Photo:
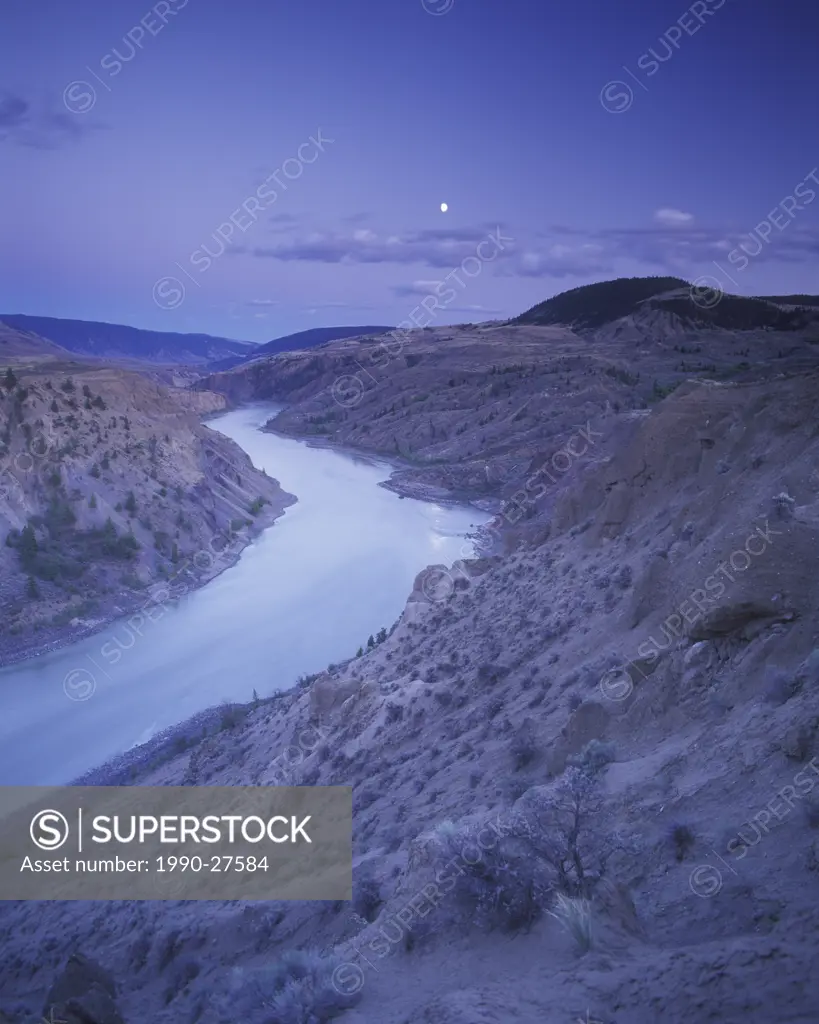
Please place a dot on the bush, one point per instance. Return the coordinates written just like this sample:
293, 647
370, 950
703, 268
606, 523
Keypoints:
232, 715
298, 988
367, 897
523, 747
682, 837
593, 757
505, 887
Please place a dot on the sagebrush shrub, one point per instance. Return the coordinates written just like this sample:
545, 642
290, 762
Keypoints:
593, 757
298, 988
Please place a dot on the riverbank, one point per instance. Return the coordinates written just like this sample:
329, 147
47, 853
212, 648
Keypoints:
15, 650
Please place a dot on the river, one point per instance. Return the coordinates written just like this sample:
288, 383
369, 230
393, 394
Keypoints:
335, 568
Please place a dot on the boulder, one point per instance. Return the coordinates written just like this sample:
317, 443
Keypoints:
734, 617
84, 993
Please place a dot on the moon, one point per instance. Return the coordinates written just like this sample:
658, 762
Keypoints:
444, 207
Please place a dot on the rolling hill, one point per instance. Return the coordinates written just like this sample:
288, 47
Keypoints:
91, 338
595, 306
296, 342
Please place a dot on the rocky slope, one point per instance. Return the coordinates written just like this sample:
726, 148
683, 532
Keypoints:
110, 483
628, 701
472, 412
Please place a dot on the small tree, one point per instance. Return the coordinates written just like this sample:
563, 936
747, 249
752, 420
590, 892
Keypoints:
130, 504
10, 381
28, 544
370, 641
32, 590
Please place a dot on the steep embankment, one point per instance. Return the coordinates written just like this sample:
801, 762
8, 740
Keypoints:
652, 664
110, 483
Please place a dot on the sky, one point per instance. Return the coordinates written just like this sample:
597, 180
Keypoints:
257, 168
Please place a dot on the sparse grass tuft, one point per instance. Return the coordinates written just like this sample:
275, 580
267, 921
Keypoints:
575, 915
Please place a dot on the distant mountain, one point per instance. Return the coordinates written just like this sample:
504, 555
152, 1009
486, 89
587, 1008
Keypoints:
301, 340
595, 306
117, 341
17, 345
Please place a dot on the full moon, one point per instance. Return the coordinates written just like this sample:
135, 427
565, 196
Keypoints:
444, 207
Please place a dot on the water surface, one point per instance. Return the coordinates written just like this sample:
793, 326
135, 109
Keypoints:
335, 568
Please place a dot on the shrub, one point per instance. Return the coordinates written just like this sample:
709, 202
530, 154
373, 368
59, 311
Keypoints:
499, 885
543, 846
682, 837
523, 747
299, 988
624, 577
593, 757
575, 915
232, 715
784, 506
367, 897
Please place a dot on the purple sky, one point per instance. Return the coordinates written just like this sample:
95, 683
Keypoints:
121, 162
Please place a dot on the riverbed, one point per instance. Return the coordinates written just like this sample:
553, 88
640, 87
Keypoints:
309, 591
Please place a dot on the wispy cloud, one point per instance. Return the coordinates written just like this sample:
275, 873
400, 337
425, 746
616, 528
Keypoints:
41, 127
442, 248
671, 217
671, 241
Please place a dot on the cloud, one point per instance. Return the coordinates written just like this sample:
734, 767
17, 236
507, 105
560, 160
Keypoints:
667, 244
46, 127
671, 217
263, 302
13, 110
343, 305
284, 219
422, 288
441, 248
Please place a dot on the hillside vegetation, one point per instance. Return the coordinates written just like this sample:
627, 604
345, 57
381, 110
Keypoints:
109, 483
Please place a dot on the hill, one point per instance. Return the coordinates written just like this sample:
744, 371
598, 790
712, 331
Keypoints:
116, 341
792, 300
18, 346
595, 306
300, 340
109, 483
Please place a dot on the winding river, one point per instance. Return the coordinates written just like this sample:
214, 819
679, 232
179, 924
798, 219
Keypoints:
332, 570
